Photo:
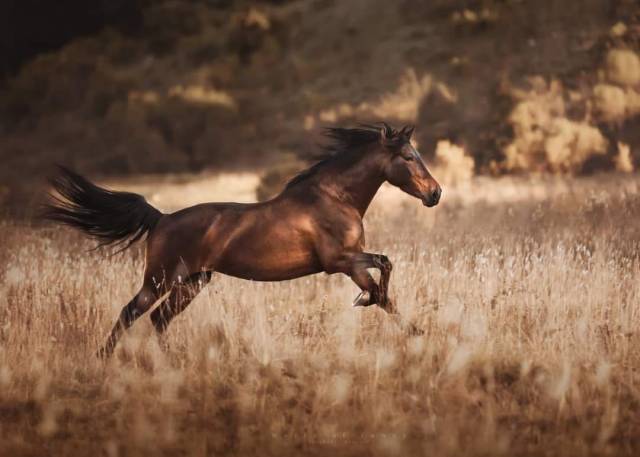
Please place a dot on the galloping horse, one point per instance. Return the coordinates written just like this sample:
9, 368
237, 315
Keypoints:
313, 225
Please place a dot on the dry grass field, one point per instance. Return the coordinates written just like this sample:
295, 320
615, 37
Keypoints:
528, 292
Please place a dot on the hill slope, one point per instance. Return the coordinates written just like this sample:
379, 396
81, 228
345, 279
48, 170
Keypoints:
219, 85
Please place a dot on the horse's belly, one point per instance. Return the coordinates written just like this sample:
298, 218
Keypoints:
268, 258
265, 246
274, 267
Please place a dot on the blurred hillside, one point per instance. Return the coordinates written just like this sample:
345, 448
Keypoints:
183, 86
30, 27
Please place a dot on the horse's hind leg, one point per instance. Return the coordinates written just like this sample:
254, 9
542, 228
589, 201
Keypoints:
181, 295
133, 310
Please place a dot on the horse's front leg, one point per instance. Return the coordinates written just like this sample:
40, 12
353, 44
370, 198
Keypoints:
382, 263
374, 293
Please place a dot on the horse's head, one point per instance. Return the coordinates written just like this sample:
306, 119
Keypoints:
404, 167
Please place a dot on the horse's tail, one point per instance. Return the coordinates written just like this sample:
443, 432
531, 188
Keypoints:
110, 217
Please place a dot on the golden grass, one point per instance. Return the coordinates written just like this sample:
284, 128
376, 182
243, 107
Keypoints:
531, 347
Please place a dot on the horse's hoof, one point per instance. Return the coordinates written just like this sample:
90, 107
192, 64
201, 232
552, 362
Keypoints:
363, 299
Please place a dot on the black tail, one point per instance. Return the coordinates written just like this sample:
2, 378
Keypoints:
111, 217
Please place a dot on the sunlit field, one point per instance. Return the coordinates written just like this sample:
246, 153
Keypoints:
528, 292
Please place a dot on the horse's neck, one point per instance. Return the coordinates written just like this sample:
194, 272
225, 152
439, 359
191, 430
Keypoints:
357, 183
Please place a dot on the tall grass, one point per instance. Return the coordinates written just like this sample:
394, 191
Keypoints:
531, 347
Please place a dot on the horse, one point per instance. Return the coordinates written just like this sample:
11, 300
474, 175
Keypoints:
314, 225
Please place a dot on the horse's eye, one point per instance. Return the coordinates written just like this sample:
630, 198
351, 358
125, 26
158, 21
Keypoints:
409, 158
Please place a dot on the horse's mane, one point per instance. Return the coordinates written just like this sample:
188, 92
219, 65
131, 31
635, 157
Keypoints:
343, 140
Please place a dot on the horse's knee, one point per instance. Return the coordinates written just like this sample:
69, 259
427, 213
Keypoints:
139, 305
385, 263
145, 299
129, 314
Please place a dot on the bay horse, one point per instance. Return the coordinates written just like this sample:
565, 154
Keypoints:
314, 225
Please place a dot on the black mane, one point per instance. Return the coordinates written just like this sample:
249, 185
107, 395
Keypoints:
342, 140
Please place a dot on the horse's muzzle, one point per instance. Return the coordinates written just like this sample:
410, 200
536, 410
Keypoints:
432, 198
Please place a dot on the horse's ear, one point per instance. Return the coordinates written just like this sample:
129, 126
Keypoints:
384, 134
407, 131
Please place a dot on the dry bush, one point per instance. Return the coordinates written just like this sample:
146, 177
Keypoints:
610, 102
624, 159
544, 137
401, 104
452, 164
619, 29
622, 67
204, 95
530, 348
548, 138
621, 102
